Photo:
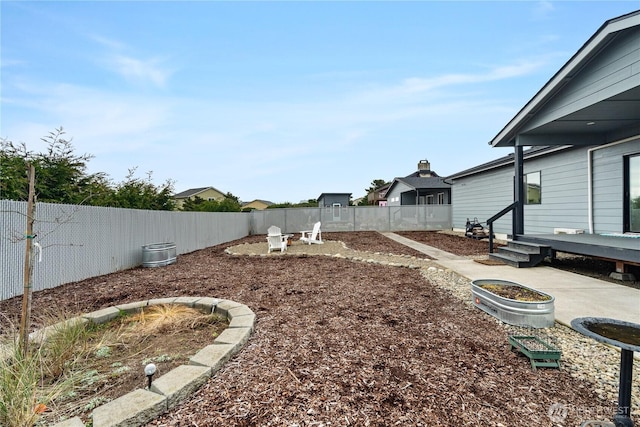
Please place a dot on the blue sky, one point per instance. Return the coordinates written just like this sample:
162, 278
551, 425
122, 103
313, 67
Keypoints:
281, 101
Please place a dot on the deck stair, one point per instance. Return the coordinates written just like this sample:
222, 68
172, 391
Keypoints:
521, 254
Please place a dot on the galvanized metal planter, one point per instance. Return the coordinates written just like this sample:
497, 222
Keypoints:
532, 314
158, 254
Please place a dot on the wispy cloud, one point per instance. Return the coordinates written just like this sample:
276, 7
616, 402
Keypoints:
250, 142
138, 70
8, 62
107, 42
419, 86
542, 10
105, 121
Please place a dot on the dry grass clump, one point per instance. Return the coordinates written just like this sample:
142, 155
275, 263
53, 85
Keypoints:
31, 380
169, 318
65, 360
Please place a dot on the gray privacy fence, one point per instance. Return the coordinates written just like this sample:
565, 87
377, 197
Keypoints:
355, 218
79, 242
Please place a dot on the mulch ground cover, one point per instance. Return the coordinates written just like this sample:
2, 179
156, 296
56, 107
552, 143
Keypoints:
344, 343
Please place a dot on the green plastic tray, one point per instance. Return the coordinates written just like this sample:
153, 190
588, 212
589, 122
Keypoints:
539, 352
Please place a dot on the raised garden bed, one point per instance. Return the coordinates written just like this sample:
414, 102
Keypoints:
514, 303
539, 352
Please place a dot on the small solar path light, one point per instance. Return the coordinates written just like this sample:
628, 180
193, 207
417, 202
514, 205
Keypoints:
149, 370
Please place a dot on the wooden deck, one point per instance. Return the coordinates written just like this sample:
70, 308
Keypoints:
614, 248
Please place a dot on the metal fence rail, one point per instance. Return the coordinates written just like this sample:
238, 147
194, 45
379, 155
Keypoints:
355, 218
79, 242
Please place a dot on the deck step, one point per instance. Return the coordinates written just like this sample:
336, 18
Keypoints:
529, 247
513, 262
515, 253
521, 254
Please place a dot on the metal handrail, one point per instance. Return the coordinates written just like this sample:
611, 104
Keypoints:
494, 218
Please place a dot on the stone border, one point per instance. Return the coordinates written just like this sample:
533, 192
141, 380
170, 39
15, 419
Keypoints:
333, 249
142, 405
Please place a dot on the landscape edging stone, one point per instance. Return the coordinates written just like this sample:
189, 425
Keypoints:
173, 386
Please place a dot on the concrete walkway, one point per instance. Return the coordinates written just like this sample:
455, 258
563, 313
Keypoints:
576, 295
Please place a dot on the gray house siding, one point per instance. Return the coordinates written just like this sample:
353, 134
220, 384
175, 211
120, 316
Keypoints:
482, 196
394, 196
608, 167
564, 191
614, 71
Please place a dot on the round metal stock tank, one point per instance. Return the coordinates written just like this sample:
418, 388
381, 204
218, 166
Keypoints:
532, 314
158, 254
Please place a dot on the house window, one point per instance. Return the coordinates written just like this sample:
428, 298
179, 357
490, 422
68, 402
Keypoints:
430, 199
533, 188
441, 198
632, 193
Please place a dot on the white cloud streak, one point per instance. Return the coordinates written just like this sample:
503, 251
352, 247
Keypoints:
139, 71
420, 85
205, 142
543, 9
135, 70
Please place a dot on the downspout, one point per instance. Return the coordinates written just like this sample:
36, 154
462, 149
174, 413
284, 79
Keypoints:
590, 181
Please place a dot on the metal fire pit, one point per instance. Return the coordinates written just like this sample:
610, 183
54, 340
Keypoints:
626, 336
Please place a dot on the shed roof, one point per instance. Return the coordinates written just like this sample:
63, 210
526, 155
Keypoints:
333, 194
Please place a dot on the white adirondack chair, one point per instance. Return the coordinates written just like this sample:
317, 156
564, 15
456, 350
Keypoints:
276, 239
312, 236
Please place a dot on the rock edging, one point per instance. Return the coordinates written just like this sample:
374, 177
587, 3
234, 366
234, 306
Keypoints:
142, 406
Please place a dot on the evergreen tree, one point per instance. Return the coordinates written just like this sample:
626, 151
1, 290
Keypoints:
61, 177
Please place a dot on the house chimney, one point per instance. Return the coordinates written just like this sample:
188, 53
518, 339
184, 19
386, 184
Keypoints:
424, 168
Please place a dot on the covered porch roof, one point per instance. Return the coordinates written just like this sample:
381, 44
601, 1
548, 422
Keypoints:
593, 99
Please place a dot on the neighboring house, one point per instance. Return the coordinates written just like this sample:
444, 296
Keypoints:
379, 196
334, 200
582, 172
423, 187
356, 202
257, 205
205, 193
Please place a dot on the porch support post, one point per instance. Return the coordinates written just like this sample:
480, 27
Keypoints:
519, 195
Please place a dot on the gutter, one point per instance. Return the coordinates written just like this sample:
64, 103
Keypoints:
590, 172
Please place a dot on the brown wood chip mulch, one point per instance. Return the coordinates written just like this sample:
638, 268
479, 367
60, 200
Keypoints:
343, 343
